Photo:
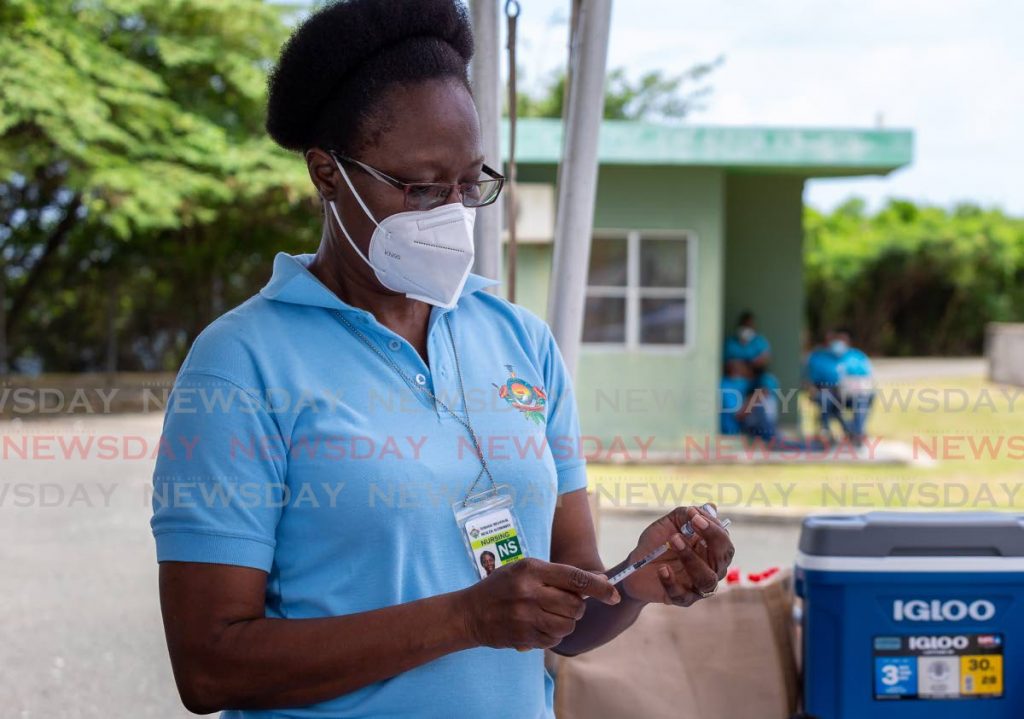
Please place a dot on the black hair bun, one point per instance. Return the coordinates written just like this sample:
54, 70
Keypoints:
356, 48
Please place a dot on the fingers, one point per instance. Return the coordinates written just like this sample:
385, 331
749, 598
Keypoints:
676, 587
561, 603
720, 549
702, 577
711, 510
679, 517
537, 640
552, 625
579, 581
546, 641
532, 603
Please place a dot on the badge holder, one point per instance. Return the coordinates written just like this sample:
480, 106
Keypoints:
490, 530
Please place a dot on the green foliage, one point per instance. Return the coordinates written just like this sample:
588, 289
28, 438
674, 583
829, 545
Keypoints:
912, 279
654, 96
134, 166
140, 197
144, 107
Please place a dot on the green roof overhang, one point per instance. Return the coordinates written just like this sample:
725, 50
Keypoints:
813, 152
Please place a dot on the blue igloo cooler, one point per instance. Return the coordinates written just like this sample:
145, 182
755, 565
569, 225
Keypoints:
909, 615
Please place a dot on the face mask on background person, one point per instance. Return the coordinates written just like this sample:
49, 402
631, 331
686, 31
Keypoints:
746, 334
839, 347
424, 254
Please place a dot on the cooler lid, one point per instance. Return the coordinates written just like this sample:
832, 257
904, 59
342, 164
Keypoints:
914, 534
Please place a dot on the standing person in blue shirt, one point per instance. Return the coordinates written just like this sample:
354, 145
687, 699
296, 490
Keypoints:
841, 379
362, 433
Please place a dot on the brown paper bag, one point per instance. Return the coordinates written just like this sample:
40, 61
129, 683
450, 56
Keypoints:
727, 657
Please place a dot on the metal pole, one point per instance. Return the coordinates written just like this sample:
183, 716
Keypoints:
3, 322
485, 73
577, 187
512, 10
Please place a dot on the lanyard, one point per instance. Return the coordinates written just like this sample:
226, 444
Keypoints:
462, 389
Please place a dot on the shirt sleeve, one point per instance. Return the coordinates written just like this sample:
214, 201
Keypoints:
220, 475
731, 350
863, 364
563, 422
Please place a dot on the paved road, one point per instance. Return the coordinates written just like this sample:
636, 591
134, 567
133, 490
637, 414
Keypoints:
79, 618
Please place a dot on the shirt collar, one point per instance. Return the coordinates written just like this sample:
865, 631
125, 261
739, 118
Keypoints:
292, 282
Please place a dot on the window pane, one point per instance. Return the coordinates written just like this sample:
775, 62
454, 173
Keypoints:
604, 319
662, 263
607, 263
663, 321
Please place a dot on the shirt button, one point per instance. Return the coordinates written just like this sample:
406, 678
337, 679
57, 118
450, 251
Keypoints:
420, 379
395, 345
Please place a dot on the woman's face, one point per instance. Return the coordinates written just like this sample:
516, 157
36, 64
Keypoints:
426, 132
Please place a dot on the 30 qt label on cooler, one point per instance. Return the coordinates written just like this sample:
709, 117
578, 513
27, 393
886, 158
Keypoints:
938, 666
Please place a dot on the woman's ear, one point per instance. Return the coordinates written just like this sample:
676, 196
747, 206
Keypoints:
323, 171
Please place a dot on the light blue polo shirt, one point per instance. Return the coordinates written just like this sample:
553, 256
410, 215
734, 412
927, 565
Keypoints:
826, 369
733, 393
289, 446
748, 352
854, 363
823, 367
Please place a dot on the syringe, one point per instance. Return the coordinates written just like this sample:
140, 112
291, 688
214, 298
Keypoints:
641, 563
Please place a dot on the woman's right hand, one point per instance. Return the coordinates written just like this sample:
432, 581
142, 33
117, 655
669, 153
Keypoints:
531, 604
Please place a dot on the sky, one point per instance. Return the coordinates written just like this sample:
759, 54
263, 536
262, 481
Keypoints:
950, 70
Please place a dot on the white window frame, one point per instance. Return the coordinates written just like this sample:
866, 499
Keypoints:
633, 293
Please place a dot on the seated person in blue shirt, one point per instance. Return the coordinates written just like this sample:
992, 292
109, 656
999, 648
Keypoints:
747, 344
841, 380
753, 411
305, 574
734, 390
760, 417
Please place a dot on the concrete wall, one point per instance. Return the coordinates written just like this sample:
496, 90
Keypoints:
1004, 350
659, 395
764, 264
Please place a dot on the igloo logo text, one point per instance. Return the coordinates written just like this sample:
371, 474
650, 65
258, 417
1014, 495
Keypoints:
937, 610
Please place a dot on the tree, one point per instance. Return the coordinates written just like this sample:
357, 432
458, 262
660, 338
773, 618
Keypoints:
130, 134
653, 96
913, 279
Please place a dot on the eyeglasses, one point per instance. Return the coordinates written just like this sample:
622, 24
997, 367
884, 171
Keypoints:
428, 195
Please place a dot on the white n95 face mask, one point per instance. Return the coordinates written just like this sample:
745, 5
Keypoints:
424, 254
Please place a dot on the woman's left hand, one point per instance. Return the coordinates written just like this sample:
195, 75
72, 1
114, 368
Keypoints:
691, 568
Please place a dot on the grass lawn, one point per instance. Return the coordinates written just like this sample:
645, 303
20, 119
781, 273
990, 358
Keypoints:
974, 430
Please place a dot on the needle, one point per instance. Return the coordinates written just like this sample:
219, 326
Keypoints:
640, 563
644, 562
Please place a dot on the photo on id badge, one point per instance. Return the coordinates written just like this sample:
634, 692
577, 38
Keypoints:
491, 531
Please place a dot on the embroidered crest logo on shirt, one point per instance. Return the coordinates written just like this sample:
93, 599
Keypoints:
523, 396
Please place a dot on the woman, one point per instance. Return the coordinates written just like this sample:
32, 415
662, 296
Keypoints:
361, 432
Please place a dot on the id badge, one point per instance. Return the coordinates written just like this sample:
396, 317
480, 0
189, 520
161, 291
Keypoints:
490, 530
